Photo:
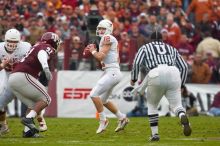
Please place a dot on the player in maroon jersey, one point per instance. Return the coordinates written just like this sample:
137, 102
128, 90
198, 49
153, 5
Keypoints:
24, 80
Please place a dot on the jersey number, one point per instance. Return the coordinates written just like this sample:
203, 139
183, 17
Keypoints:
161, 49
106, 39
49, 51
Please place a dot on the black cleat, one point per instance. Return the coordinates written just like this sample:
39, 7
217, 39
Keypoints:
30, 134
186, 125
29, 122
154, 137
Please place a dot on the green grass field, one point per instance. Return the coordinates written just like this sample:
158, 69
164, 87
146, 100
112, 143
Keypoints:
78, 132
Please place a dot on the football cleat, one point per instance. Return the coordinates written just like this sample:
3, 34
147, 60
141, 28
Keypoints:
121, 124
4, 129
31, 134
154, 137
42, 124
102, 126
186, 125
29, 122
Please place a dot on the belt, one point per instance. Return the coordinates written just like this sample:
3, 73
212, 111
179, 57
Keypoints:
113, 65
161, 65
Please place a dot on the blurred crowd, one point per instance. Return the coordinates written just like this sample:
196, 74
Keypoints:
192, 26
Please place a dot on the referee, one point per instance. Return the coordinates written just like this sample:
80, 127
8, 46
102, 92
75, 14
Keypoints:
167, 72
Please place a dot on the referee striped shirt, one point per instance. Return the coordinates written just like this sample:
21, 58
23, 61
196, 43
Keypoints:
154, 53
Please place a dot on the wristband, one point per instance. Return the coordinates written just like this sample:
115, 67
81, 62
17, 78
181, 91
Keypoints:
93, 52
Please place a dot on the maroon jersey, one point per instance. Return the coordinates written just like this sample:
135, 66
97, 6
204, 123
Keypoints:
30, 63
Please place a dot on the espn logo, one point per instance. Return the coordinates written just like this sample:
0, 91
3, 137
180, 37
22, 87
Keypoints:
76, 93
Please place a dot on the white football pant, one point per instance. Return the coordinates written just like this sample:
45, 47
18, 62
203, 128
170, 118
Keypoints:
28, 89
6, 95
161, 81
105, 85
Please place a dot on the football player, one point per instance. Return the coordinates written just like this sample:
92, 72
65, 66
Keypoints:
11, 51
108, 55
24, 83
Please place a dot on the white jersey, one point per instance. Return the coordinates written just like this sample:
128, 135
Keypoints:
18, 54
112, 75
6, 94
112, 57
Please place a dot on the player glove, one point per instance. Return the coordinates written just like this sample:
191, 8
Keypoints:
48, 73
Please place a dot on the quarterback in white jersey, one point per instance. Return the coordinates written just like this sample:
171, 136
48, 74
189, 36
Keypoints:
108, 55
11, 51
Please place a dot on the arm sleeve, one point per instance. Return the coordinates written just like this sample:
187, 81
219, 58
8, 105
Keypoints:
183, 68
42, 57
136, 64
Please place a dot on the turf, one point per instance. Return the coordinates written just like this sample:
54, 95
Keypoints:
81, 132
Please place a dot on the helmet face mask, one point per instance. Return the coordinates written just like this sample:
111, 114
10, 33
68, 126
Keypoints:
101, 31
104, 27
12, 38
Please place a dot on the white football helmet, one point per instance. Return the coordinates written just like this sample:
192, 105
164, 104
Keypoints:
107, 24
12, 38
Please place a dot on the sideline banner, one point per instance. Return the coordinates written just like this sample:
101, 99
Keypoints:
73, 88
205, 94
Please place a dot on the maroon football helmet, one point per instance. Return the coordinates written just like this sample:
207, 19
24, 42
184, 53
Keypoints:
52, 39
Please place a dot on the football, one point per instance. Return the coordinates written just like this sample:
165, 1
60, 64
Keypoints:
9, 67
86, 53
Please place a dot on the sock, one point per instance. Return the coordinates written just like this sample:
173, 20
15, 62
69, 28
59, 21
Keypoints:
120, 115
180, 111
42, 112
181, 114
31, 114
154, 130
102, 116
153, 119
26, 128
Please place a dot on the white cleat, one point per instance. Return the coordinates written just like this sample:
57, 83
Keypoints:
121, 124
4, 129
102, 126
42, 124
42, 127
